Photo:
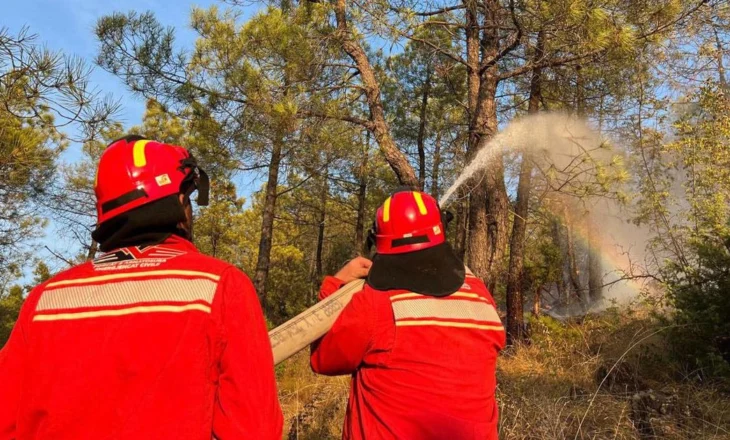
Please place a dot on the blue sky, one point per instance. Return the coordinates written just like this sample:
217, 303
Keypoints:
68, 25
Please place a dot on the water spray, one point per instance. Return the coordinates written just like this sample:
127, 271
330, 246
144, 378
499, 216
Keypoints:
553, 141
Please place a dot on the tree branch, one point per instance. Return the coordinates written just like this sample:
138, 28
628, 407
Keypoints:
60, 257
346, 118
428, 13
487, 63
548, 63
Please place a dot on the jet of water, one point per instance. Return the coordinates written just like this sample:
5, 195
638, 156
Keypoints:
484, 157
545, 134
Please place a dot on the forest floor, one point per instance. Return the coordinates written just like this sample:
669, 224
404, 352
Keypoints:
602, 377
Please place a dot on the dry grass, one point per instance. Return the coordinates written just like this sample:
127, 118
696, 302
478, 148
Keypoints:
314, 406
603, 378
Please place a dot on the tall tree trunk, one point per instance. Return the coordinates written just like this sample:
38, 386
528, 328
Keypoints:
536, 299
489, 204
573, 271
361, 198
93, 249
478, 250
379, 126
421, 141
515, 299
556, 230
580, 92
267, 223
595, 269
436, 166
498, 204
324, 194
515, 294
472, 61
595, 275
461, 225
720, 53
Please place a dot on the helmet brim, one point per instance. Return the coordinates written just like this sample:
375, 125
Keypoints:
435, 271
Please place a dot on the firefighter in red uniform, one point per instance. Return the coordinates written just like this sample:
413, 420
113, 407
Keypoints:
421, 339
152, 340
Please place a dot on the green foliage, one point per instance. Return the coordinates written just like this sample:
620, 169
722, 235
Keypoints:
42, 91
701, 154
686, 197
28, 153
11, 300
41, 273
547, 332
29, 140
701, 332
47, 88
10, 303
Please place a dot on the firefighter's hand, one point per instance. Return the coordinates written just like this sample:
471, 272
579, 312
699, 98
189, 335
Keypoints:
358, 267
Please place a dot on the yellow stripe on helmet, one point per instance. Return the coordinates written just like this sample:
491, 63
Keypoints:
386, 210
140, 159
419, 201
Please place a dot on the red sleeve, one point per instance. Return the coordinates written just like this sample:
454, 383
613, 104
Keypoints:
247, 405
329, 286
343, 348
12, 371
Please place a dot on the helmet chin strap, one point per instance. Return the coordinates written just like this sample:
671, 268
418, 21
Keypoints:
446, 217
203, 184
185, 228
371, 237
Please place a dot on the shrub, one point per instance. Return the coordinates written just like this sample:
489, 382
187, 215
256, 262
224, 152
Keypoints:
701, 300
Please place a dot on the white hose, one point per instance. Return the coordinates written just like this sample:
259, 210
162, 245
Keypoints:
297, 333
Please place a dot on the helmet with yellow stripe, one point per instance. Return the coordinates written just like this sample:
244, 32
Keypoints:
411, 251
134, 171
408, 221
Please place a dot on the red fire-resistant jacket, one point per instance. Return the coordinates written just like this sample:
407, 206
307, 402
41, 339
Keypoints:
157, 342
423, 367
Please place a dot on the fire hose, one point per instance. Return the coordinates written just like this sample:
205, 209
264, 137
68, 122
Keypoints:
297, 333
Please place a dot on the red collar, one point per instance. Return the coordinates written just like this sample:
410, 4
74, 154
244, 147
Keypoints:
178, 242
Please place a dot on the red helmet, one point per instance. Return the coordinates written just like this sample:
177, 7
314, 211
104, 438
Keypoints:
408, 221
134, 171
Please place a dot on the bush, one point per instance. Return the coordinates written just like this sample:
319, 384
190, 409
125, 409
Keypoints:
10, 303
701, 318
